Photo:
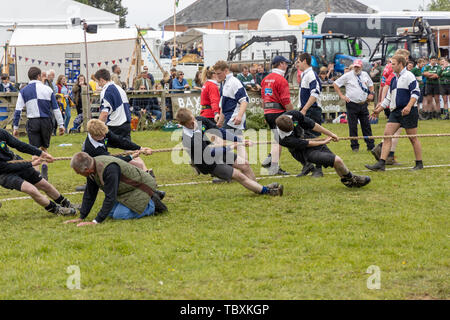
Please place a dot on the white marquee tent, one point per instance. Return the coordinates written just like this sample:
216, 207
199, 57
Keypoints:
63, 50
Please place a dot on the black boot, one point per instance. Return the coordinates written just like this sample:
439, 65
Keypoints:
317, 172
379, 166
307, 169
376, 152
419, 166
160, 207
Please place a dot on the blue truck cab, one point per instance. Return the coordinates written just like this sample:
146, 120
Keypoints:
330, 47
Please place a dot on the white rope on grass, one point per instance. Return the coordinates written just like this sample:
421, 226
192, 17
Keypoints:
258, 178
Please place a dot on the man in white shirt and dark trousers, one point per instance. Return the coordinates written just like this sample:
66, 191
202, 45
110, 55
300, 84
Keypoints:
310, 90
358, 91
402, 99
40, 102
115, 108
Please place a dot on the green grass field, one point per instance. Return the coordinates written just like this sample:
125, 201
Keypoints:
223, 242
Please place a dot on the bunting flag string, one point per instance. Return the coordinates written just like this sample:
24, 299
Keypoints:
52, 63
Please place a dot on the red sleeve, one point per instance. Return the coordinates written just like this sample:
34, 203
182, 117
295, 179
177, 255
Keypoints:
389, 79
285, 94
214, 96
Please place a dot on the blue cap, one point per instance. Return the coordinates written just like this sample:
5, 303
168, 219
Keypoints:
279, 59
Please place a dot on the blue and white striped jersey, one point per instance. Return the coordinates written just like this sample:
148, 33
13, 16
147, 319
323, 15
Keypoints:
114, 101
309, 86
403, 87
232, 95
40, 102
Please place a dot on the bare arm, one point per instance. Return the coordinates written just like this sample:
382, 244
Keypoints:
308, 104
319, 128
103, 117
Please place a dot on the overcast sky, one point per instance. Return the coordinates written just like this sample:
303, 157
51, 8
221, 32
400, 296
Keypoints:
149, 13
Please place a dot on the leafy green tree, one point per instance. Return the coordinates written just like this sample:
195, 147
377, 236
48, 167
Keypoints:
113, 6
439, 5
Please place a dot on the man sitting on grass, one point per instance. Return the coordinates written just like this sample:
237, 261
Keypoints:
23, 177
219, 162
293, 129
129, 191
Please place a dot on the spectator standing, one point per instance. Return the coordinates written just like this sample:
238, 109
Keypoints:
115, 77
197, 83
432, 88
376, 71
323, 77
359, 90
61, 84
166, 84
444, 80
417, 72
51, 75
332, 75
78, 100
260, 75
93, 83
246, 78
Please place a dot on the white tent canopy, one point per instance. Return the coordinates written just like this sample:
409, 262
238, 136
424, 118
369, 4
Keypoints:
48, 37
64, 51
49, 12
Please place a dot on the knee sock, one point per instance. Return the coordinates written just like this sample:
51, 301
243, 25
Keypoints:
63, 201
51, 207
265, 190
348, 176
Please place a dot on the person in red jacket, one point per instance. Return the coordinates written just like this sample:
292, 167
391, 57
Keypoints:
276, 99
210, 97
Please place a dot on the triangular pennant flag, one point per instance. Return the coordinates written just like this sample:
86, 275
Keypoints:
127, 58
106, 62
26, 59
33, 60
39, 61
92, 65
120, 60
99, 64
85, 65
114, 61
46, 63
59, 65
20, 58
53, 64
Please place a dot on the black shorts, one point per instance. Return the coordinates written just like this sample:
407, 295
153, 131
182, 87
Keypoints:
223, 171
408, 122
445, 89
123, 130
321, 156
224, 165
271, 118
14, 181
39, 132
432, 89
